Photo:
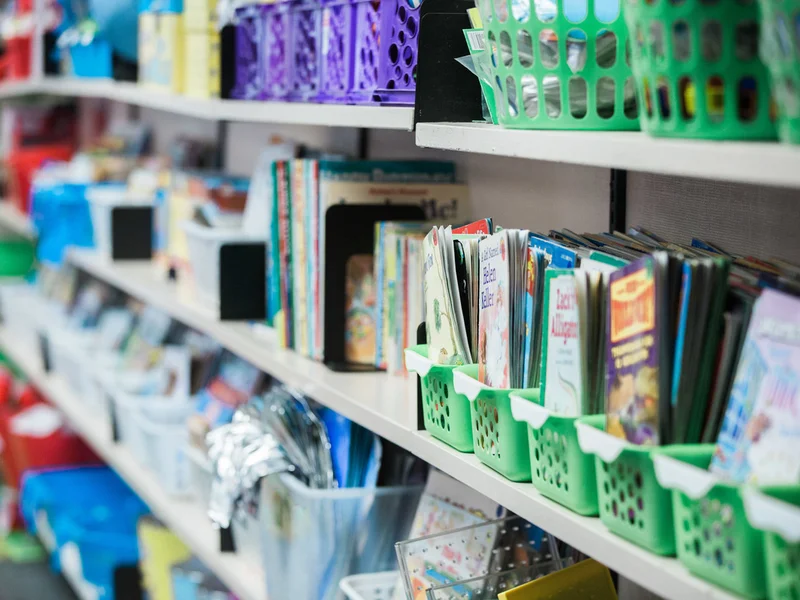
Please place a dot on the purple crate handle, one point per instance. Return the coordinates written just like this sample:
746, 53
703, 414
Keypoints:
338, 39
249, 70
398, 54
276, 50
306, 18
366, 51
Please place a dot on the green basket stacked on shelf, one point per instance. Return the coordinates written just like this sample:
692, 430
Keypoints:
776, 512
560, 470
780, 51
17, 256
499, 440
713, 536
631, 501
446, 414
698, 70
558, 65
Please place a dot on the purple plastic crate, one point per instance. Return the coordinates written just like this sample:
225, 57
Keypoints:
306, 17
277, 50
366, 51
338, 37
249, 68
397, 67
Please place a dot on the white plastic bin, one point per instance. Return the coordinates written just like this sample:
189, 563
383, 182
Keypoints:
201, 474
25, 313
246, 531
96, 379
102, 200
69, 351
204, 245
370, 586
167, 442
311, 539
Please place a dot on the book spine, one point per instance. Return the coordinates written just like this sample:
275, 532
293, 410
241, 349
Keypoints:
273, 249
285, 217
380, 269
299, 316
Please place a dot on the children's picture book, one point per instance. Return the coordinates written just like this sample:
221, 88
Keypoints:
359, 342
555, 254
760, 437
494, 322
562, 382
445, 345
633, 387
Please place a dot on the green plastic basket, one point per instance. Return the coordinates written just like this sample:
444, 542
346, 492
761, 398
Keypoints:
446, 414
693, 79
631, 502
560, 470
499, 441
571, 81
713, 537
779, 51
776, 511
17, 257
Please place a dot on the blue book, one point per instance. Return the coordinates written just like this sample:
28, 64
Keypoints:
555, 254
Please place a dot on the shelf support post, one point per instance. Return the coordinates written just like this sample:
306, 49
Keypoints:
618, 200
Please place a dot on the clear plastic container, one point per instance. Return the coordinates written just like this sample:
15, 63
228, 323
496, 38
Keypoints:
69, 350
24, 311
489, 548
204, 246
311, 539
246, 531
102, 200
202, 477
494, 584
166, 445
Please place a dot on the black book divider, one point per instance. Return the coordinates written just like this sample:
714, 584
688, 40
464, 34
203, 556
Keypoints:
350, 230
132, 233
227, 72
243, 282
421, 339
446, 90
128, 582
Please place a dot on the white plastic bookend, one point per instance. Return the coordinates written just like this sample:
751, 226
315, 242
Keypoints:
464, 384
416, 363
675, 474
598, 442
528, 411
770, 514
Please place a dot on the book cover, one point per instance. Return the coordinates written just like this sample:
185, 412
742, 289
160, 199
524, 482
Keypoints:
555, 254
299, 258
441, 328
760, 437
494, 352
633, 354
359, 336
284, 322
562, 382
483, 226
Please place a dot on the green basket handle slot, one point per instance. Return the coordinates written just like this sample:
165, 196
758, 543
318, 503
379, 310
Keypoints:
465, 381
594, 440
770, 514
417, 360
675, 474
526, 408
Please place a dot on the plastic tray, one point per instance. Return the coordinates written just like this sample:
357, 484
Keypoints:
499, 441
493, 547
446, 414
713, 537
311, 539
559, 468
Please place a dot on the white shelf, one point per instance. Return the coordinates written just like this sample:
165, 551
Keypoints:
381, 403
12, 219
767, 163
243, 575
292, 113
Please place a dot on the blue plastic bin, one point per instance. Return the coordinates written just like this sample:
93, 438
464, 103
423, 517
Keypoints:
92, 60
62, 217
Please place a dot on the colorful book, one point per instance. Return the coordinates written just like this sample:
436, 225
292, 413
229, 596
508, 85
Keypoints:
443, 336
555, 254
299, 257
562, 381
359, 336
533, 311
634, 379
494, 322
760, 437
284, 321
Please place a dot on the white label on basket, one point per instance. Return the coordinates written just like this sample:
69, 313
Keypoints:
37, 421
476, 42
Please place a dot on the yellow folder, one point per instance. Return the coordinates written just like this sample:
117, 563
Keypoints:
587, 579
